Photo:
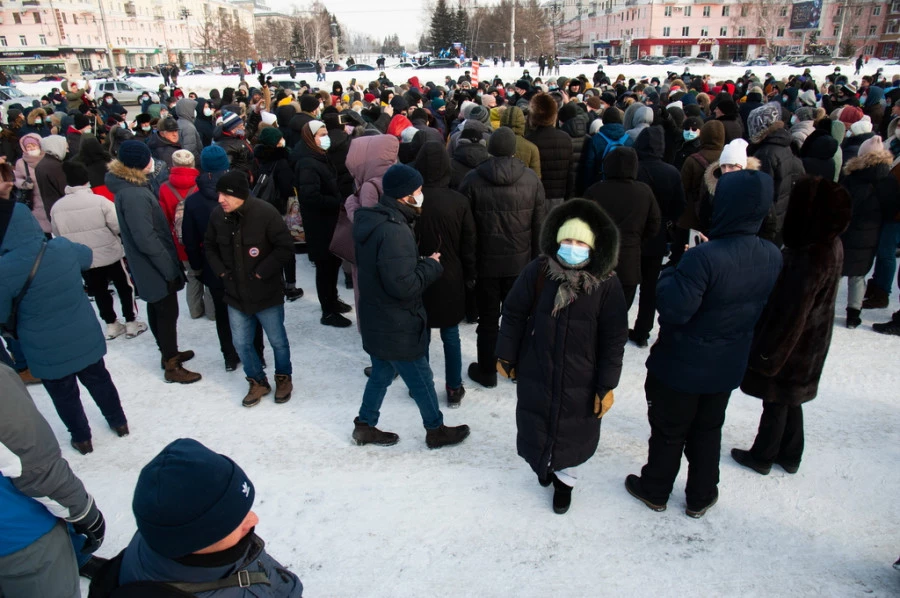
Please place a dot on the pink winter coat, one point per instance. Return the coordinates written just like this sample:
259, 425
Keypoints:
368, 159
38, 208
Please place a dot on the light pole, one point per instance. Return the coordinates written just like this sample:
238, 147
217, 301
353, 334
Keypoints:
525, 50
554, 9
109, 60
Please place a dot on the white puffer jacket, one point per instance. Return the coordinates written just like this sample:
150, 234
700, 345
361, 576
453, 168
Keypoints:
84, 217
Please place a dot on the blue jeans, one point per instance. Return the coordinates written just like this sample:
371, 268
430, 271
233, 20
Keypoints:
452, 356
67, 399
418, 378
886, 259
243, 328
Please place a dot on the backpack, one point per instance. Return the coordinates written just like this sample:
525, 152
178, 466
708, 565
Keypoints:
611, 144
179, 209
265, 190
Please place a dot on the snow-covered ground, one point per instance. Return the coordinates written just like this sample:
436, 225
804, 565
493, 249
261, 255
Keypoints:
471, 520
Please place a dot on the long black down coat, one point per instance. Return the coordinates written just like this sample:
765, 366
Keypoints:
563, 362
446, 226
873, 188
794, 332
555, 149
665, 182
777, 160
319, 197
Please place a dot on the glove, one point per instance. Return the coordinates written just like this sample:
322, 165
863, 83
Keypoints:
175, 285
601, 406
506, 369
93, 527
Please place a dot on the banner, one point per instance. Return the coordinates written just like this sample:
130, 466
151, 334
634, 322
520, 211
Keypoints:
473, 74
805, 15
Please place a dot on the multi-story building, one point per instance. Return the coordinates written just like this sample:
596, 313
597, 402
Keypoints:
889, 43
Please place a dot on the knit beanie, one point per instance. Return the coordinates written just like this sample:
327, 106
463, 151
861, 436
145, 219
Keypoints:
400, 180
309, 102
214, 159
399, 104
437, 103
231, 121
270, 136
502, 142
188, 498
479, 113
13, 114
183, 158
849, 115
608, 98
734, 152
235, 184
862, 126
407, 134
577, 229
807, 98
872, 144
315, 125
134, 154
761, 119
805, 113
76, 173
488, 101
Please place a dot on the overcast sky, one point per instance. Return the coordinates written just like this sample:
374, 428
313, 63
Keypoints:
377, 18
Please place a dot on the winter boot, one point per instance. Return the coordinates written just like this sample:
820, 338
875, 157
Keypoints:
699, 511
114, 330
638, 339
132, 329
544, 482
348, 281
635, 489
788, 466
121, 431
892, 327
336, 320
853, 319
365, 434
28, 378
446, 436
283, 388
292, 292
486, 379
876, 297
176, 373
232, 362
562, 496
257, 391
182, 357
455, 396
84, 447
341, 308
92, 567
749, 461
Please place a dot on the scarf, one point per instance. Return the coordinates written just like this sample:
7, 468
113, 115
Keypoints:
573, 281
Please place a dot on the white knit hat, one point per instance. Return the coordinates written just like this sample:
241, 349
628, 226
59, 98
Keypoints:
863, 125
734, 153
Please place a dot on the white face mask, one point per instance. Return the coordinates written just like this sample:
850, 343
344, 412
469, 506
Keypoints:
38, 121
418, 199
280, 143
145, 127
207, 112
793, 120
324, 142
163, 114
123, 125
109, 100
34, 152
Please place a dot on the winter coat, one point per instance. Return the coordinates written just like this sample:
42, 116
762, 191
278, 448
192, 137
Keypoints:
576, 128
527, 152
466, 156
734, 128
593, 160
710, 302
162, 149
767, 231
850, 146
817, 153
392, 279
508, 205
631, 205
337, 157
37, 203
320, 199
712, 140
186, 110
777, 160
94, 157
82, 216
273, 162
794, 333
73, 138
247, 249
36, 484
665, 182
687, 149
183, 180
50, 179
142, 563
484, 128
152, 257
31, 126
873, 189
555, 149
197, 209
367, 161
240, 155
9, 143
563, 362
446, 226
57, 326
800, 131
754, 101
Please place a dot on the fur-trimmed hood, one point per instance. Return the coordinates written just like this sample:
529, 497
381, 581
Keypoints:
121, 176
713, 172
543, 111
870, 160
35, 114
605, 255
819, 211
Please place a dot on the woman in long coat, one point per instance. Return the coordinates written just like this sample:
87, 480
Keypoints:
562, 337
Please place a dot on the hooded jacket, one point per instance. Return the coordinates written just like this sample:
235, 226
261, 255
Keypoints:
631, 205
31, 125
446, 226
26, 179
818, 153
596, 147
466, 156
197, 208
712, 140
162, 149
555, 150
84, 217
186, 110
58, 330
665, 182
641, 119
527, 152
710, 302
564, 361
754, 100
576, 128
240, 155
777, 159
367, 161
320, 199
874, 191
95, 158
48, 174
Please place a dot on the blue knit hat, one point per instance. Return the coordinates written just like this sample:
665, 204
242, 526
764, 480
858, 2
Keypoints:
213, 159
400, 180
188, 498
134, 154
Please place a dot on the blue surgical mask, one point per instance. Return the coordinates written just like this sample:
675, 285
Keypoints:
690, 135
325, 142
573, 255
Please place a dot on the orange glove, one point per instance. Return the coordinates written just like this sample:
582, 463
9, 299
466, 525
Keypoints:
601, 406
506, 369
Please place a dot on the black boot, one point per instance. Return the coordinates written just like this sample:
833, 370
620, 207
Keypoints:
699, 511
365, 434
455, 396
562, 496
232, 362
340, 307
486, 379
876, 297
635, 489
292, 292
749, 461
446, 436
853, 319
336, 320
892, 327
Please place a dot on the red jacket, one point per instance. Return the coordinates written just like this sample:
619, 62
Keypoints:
184, 180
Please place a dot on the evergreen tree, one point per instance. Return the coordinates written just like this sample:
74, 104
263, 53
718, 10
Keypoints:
441, 32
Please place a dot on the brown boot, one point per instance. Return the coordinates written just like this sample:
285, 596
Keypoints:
27, 378
176, 373
257, 391
283, 388
182, 357
876, 297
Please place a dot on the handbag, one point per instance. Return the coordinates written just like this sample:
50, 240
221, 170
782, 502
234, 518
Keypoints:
9, 328
342, 240
24, 196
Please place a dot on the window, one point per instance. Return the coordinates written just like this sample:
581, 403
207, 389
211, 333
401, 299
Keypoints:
723, 31
854, 31
726, 10
705, 11
17, 18
783, 12
872, 29
666, 31
3, 41
704, 32
687, 11
42, 39
837, 29
876, 11
668, 11
780, 32
839, 12
66, 21
764, 11
685, 31
859, 12
744, 10
742, 31
74, 18
23, 41
37, 17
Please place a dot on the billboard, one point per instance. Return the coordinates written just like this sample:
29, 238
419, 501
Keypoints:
805, 15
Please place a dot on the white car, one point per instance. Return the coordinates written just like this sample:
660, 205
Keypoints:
127, 92
194, 72
11, 95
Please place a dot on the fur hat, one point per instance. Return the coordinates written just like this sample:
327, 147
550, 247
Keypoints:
502, 142
760, 119
861, 127
235, 184
134, 154
605, 254
168, 125
577, 229
183, 158
543, 111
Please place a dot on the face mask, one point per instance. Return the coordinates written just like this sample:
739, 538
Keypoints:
573, 254
123, 125
207, 112
784, 99
418, 199
324, 142
793, 120
34, 152
109, 100
690, 135
38, 121
85, 131
145, 127
862, 99
280, 143
580, 97
144, 98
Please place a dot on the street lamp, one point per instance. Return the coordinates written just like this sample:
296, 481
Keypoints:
525, 49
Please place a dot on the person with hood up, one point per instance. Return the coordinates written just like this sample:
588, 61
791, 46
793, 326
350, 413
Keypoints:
565, 313
793, 336
229, 135
204, 121
573, 121
709, 305
527, 152
150, 250
90, 219
446, 226
770, 143
873, 105
641, 118
80, 127
803, 123
48, 173
477, 118
110, 106
691, 144
508, 205
95, 158
726, 112
57, 329
633, 207
471, 150
609, 137
186, 111
36, 122
25, 173
820, 151
753, 101
393, 322
554, 148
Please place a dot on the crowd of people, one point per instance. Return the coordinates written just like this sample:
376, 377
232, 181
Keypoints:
536, 208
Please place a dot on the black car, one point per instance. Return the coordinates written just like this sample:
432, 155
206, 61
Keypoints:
360, 67
330, 67
440, 63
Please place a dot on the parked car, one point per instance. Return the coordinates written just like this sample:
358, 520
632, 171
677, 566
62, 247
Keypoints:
50, 78
590, 61
723, 62
278, 70
440, 63
142, 75
127, 92
11, 95
288, 84
232, 70
360, 67
792, 58
610, 60
565, 61
706, 55
331, 67
195, 72
402, 65
759, 62
651, 60
305, 66
696, 61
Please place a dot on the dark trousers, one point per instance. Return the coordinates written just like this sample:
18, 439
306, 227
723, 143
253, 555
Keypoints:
290, 271
689, 423
780, 435
162, 316
327, 269
650, 268
490, 293
97, 281
223, 326
630, 291
67, 399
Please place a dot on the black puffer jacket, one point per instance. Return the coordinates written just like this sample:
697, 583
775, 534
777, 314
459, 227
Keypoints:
555, 150
631, 206
319, 196
817, 154
337, 157
446, 227
577, 130
665, 182
508, 206
873, 189
777, 159
198, 207
466, 156
240, 155
564, 361
248, 249
273, 162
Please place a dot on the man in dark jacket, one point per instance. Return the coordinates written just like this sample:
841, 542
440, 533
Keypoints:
165, 141
632, 207
471, 150
574, 122
150, 250
508, 205
708, 307
726, 112
247, 245
554, 148
48, 174
392, 279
